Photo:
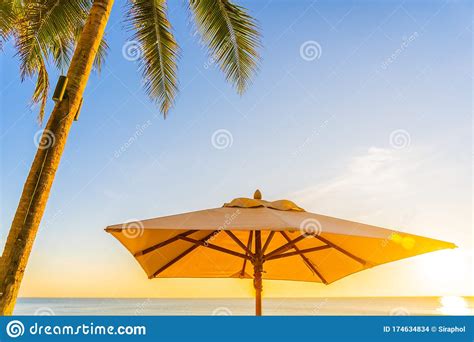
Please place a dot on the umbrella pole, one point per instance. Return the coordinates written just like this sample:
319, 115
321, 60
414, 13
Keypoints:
257, 275
257, 283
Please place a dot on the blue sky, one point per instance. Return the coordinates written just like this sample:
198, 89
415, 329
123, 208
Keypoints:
376, 128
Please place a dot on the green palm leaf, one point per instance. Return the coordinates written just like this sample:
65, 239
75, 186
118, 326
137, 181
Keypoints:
231, 35
101, 55
45, 28
40, 95
48, 30
7, 19
46, 23
63, 50
158, 50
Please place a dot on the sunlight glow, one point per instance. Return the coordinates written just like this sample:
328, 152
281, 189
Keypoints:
453, 305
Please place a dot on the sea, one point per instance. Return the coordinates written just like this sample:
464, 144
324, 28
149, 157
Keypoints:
448, 305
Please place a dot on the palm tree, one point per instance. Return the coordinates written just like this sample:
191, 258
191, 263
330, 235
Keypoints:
45, 29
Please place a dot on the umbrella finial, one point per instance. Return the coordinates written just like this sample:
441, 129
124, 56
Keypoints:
257, 195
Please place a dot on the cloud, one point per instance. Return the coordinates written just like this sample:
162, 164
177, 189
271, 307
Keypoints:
373, 184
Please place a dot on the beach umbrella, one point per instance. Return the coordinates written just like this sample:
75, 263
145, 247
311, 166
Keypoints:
257, 239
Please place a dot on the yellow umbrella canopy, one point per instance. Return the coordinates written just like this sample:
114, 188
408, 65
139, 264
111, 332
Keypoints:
254, 238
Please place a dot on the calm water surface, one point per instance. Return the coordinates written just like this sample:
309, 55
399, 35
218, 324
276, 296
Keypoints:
272, 306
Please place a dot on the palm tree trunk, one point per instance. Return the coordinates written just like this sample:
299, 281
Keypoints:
40, 179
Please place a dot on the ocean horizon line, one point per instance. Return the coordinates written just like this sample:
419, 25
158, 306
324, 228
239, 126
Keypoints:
282, 297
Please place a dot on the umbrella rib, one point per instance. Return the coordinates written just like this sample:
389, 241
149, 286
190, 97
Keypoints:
301, 251
237, 241
182, 255
249, 244
285, 247
267, 242
306, 261
163, 243
342, 250
215, 247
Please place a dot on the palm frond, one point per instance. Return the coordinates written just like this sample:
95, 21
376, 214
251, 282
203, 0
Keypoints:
63, 50
40, 95
158, 50
45, 24
8, 17
231, 35
101, 55
45, 29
